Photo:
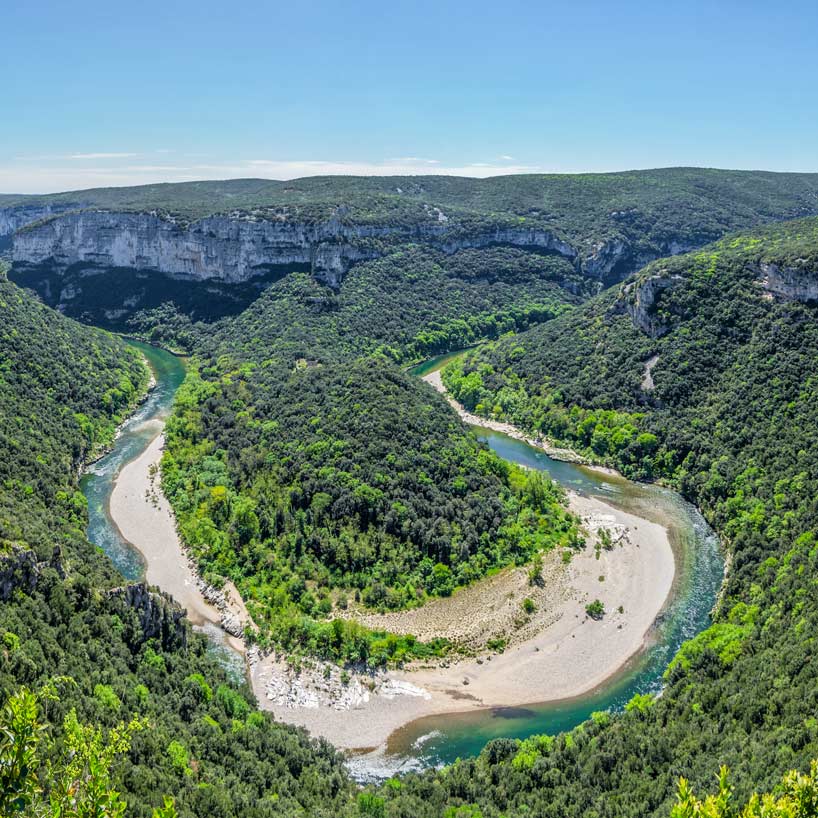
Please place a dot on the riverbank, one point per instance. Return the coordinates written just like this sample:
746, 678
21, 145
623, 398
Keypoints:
555, 452
552, 653
144, 519
570, 655
557, 652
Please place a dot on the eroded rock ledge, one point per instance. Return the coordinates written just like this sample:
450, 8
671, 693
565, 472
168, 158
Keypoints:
239, 247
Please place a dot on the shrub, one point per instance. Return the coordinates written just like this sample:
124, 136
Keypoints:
595, 609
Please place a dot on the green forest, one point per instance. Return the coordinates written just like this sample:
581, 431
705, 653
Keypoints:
65, 628
63, 390
653, 203
730, 421
308, 466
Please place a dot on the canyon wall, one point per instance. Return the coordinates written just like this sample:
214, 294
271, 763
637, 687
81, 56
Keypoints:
13, 219
238, 248
789, 282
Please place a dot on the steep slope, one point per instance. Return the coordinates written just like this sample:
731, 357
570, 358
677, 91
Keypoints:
65, 612
64, 388
231, 238
307, 467
729, 417
700, 370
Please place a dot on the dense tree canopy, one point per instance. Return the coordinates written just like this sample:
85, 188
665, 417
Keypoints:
306, 466
731, 422
63, 390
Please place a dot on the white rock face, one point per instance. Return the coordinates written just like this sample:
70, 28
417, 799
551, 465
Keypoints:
14, 218
641, 297
787, 282
238, 248
325, 685
604, 257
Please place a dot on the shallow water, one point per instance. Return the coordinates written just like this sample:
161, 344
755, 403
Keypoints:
437, 740
98, 483
134, 437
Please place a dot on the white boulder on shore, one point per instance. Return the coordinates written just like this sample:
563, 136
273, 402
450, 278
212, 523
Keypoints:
325, 685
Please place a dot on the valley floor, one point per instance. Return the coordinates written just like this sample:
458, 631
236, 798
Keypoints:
569, 655
144, 518
557, 652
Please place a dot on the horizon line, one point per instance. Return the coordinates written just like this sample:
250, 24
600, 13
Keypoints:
411, 176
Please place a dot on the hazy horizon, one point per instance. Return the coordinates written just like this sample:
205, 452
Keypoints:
102, 97
399, 175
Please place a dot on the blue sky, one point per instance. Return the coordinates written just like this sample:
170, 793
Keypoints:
109, 93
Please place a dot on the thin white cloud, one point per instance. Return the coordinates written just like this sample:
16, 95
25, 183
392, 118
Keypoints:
415, 160
87, 156
55, 175
506, 158
61, 157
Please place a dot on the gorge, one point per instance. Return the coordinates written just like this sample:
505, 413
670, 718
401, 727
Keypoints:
120, 523
400, 581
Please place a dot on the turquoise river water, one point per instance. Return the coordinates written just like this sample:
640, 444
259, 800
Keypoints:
437, 740
98, 483
440, 739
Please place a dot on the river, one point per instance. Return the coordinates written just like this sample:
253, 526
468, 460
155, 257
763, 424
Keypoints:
438, 740
98, 482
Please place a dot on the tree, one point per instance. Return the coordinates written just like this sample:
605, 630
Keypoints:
798, 799
69, 777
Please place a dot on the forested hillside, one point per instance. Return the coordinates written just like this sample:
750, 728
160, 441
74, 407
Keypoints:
64, 389
210, 247
728, 416
306, 466
128, 653
411, 304
702, 201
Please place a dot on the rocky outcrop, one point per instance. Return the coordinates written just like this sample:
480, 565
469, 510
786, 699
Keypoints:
229, 618
641, 297
604, 257
13, 219
612, 260
20, 570
239, 247
789, 282
159, 616
247, 246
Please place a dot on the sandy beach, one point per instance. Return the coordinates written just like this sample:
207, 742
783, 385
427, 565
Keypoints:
571, 655
144, 518
553, 653
559, 652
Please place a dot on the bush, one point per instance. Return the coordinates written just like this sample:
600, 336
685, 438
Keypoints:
595, 609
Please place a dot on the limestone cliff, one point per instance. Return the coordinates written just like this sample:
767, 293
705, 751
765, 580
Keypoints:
645, 301
159, 616
642, 299
229, 257
789, 282
20, 570
612, 260
238, 247
13, 219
